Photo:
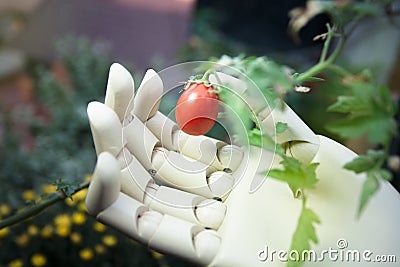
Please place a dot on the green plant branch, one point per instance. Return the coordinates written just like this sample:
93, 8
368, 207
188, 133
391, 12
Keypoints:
37, 208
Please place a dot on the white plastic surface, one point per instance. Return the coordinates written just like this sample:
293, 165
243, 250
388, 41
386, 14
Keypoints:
258, 214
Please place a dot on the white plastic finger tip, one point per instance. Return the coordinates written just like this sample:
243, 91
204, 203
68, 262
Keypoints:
148, 97
120, 90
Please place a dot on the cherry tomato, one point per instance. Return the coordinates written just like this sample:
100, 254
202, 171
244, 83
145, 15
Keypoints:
197, 109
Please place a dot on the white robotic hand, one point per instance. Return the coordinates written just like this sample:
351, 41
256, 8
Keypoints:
209, 202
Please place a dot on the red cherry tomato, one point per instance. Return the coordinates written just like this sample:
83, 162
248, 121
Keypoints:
197, 109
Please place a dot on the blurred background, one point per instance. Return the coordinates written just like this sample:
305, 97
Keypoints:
54, 59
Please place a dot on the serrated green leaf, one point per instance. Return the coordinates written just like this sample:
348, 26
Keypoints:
280, 127
295, 173
370, 187
370, 110
348, 104
304, 234
379, 129
259, 139
366, 162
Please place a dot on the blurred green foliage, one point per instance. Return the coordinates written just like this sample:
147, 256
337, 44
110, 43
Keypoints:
62, 156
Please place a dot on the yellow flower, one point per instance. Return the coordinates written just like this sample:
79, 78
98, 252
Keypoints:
47, 231
100, 249
63, 230
70, 202
28, 195
86, 254
22, 239
38, 260
80, 195
76, 238
99, 227
156, 254
82, 207
4, 232
33, 230
109, 240
48, 189
15, 263
78, 218
5, 210
62, 219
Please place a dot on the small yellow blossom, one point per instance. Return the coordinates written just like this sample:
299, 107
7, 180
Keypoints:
4, 232
100, 249
48, 189
99, 227
28, 195
70, 202
62, 219
22, 239
15, 263
63, 230
81, 207
78, 218
109, 240
156, 254
5, 210
86, 254
33, 230
38, 260
76, 238
47, 231
80, 195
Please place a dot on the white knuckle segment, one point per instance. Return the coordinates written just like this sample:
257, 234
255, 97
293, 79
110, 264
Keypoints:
140, 141
134, 180
180, 172
124, 214
201, 148
120, 90
148, 96
163, 128
297, 130
185, 240
187, 206
230, 156
303, 151
106, 128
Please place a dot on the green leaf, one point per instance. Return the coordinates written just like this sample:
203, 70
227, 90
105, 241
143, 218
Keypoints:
369, 111
304, 234
367, 162
295, 173
370, 187
280, 127
259, 139
346, 104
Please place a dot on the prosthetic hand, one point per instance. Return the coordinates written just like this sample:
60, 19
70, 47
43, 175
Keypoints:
209, 202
